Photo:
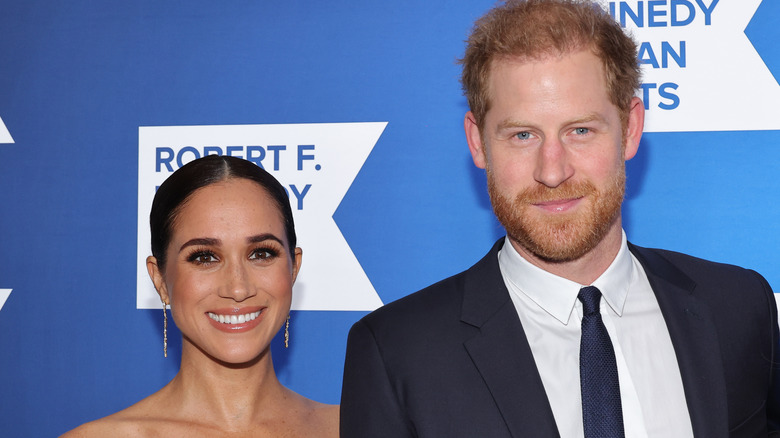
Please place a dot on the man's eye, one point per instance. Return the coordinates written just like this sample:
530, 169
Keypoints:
581, 131
525, 135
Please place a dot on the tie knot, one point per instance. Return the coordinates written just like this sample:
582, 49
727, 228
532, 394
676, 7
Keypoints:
590, 297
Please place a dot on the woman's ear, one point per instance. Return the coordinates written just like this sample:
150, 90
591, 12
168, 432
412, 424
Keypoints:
157, 278
297, 260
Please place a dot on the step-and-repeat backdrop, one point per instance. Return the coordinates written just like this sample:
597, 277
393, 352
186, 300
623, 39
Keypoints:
357, 109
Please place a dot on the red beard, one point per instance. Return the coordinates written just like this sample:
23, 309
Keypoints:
565, 236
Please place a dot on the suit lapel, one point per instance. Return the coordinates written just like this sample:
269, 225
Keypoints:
695, 342
501, 352
503, 357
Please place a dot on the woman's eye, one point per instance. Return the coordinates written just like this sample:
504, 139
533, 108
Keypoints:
202, 258
262, 254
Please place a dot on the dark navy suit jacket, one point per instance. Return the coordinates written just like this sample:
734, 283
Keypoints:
453, 361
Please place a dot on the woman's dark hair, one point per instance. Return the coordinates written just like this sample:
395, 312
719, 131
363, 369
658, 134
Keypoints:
179, 187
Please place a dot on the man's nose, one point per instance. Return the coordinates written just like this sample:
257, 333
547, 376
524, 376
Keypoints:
552, 166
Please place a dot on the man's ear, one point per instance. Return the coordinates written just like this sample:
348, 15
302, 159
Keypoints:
474, 139
634, 128
157, 278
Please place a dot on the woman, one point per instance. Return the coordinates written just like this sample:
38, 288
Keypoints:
224, 259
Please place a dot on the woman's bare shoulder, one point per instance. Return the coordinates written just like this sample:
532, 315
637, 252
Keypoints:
309, 419
322, 420
108, 426
138, 420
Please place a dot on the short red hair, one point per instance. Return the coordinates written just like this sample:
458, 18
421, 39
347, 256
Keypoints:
533, 29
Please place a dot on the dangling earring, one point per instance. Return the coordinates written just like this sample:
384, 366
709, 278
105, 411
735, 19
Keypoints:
287, 333
165, 330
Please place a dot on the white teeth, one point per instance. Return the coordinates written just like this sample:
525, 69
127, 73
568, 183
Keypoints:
234, 319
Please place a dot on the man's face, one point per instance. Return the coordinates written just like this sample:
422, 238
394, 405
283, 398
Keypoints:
553, 147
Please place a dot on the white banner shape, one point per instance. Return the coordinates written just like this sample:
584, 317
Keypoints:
701, 73
5, 136
4, 294
315, 162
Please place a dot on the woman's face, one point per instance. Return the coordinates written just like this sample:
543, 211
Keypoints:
229, 273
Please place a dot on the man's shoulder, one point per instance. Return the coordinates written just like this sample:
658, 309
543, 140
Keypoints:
673, 264
442, 297
442, 300
681, 259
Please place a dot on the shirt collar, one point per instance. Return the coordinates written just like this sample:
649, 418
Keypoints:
557, 295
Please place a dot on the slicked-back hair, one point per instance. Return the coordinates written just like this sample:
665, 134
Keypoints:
184, 182
535, 29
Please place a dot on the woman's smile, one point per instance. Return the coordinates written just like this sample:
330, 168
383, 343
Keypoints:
235, 320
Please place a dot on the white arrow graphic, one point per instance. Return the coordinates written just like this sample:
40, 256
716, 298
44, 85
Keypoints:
5, 136
700, 71
4, 294
315, 162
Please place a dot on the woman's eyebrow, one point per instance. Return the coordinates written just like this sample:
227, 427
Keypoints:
201, 241
261, 237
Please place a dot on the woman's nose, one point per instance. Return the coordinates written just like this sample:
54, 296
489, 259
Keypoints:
237, 283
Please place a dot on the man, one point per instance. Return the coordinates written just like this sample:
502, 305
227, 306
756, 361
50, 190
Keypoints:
564, 328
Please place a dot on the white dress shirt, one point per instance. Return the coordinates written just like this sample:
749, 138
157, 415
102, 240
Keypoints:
651, 388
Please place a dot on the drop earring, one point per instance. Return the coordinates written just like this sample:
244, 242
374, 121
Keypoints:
287, 333
165, 330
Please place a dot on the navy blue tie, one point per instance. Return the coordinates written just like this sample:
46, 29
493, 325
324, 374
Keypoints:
602, 414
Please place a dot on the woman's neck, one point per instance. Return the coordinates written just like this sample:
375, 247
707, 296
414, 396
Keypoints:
230, 396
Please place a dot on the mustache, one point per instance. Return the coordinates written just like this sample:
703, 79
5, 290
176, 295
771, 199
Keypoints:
567, 190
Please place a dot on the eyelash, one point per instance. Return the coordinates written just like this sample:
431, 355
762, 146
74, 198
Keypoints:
574, 131
199, 253
272, 252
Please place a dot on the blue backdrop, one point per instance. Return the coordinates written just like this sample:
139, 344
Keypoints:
78, 79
